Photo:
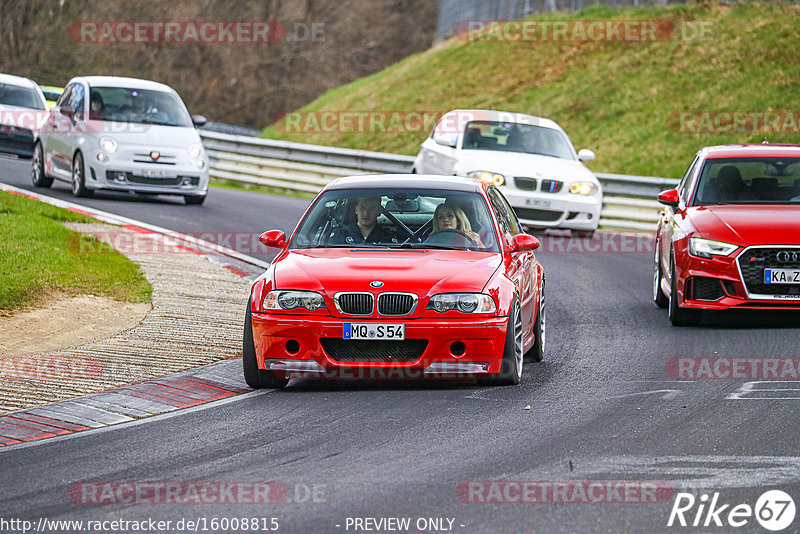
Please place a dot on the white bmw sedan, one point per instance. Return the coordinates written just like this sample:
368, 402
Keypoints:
530, 158
122, 134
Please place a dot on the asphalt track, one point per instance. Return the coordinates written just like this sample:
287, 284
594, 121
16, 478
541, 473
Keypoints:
602, 408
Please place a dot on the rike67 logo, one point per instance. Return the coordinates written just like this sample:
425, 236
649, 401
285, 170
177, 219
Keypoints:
774, 510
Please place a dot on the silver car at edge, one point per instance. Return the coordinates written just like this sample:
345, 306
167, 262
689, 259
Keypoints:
122, 134
529, 158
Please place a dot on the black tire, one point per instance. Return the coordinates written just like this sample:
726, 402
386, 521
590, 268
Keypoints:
194, 200
256, 378
38, 177
660, 299
79, 188
582, 234
511, 367
536, 353
679, 316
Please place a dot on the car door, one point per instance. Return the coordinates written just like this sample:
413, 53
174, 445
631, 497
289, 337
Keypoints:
520, 268
54, 142
77, 122
673, 220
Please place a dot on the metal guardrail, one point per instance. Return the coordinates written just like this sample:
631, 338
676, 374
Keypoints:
628, 201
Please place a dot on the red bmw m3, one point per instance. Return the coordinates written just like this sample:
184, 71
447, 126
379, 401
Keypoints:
729, 236
398, 276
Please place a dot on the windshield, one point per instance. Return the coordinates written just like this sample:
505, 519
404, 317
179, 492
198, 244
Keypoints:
22, 97
420, 219
515, 137
141, 106
749, 181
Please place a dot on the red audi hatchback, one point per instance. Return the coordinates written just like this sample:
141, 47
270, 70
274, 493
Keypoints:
398, 276
729, 236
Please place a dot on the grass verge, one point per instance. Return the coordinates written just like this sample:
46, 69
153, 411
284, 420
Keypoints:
39, 258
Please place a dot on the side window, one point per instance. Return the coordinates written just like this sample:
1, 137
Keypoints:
65, 96
504, 214
686, 181
78, 99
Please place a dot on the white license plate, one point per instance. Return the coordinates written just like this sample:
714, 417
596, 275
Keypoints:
782, 276
394, 331
158, 174
537, 203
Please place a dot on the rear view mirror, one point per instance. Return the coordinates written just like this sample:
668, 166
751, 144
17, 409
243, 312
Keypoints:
445, 139
524, 243
273, 239
669, 198
586, 155
199, 120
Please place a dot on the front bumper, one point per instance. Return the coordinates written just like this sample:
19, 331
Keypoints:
718, 284
556, 210
455, 347
119, 174
17, 141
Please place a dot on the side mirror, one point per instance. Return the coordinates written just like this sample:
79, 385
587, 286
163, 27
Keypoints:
524, 243
199, 120
445, 139
586, 155
67, 110
669, 198
273, 239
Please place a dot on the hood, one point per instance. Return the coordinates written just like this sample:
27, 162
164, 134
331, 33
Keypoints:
331, 270
146, 135
748, 225
517, 164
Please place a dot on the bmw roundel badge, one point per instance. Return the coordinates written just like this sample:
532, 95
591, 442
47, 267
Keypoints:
376, 283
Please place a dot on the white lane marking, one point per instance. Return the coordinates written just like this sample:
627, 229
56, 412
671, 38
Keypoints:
753, 391
680, 471
137, 422
112, 218
667, 393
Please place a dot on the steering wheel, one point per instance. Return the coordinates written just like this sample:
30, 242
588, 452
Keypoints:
446, 236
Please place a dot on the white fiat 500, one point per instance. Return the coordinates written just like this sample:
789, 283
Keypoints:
122, 134
530, 158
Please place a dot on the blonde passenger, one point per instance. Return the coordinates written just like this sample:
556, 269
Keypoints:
450, 217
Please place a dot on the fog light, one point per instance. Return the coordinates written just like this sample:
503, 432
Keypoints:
292, 346
457, 348
187, 181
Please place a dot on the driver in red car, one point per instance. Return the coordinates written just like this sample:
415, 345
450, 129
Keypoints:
449, 217
365, 229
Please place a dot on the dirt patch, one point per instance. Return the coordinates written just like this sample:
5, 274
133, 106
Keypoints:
68, 322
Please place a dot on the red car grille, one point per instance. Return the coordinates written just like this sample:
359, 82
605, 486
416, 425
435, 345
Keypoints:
350, 351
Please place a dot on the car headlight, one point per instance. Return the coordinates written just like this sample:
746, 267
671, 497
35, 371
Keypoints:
195, 150
290, 300
705, 248
463, 302
107, 145
488, 177
583, 188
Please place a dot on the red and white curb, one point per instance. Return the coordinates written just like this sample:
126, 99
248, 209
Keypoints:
127, 404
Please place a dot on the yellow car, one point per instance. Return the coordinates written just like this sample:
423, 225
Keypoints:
51, 94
